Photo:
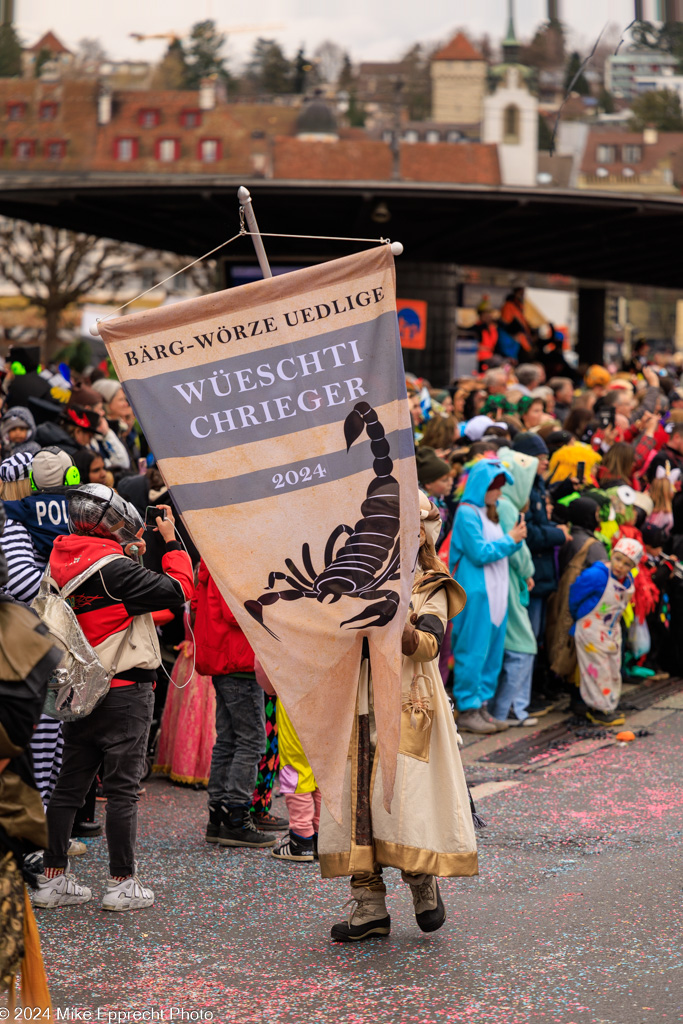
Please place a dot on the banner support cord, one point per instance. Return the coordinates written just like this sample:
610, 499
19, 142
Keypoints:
247, 213
247, 208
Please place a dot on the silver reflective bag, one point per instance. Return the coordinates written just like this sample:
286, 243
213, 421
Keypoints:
81, 681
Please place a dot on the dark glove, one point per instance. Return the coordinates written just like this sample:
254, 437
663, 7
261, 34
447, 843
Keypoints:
411, 637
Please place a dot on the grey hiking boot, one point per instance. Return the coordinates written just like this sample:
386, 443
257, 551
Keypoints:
474, 721
368, 919
430, 912
500, 725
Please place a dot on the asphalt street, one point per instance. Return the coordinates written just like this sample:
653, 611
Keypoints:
576, 916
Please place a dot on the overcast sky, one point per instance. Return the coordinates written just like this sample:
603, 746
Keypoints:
369, 29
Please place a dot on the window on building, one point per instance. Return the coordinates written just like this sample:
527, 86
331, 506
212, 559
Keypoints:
511, 124
432, 135
55, 149
48, 111
209, 151
168, 150
191, 118
411, 135
632, 154
126, 149
453, 136
24, 149
149, 277
605, 154
15, 111
149, 118
387, 136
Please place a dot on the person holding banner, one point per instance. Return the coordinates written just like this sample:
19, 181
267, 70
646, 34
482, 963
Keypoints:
415, 836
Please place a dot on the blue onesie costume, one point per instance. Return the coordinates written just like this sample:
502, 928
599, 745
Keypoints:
478, 560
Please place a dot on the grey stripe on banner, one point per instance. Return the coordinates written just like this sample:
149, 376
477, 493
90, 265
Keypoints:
265, 483
266, 394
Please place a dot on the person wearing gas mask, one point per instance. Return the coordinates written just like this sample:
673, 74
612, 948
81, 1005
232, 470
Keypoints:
113, 606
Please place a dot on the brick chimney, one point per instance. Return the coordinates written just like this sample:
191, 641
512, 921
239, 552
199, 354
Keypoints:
104, 107
207, 93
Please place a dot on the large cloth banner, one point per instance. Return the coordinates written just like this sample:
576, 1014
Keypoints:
278, 415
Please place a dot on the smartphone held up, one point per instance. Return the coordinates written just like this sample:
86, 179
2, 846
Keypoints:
152, 513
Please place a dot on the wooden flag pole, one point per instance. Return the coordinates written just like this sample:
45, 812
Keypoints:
245, 202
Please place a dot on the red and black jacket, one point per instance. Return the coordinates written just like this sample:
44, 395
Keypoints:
107, 602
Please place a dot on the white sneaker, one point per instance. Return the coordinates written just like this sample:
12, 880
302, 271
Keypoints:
76, 848
130, 894
527, 722
60, 891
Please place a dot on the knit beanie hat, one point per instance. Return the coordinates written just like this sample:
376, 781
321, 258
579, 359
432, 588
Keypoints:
107, 388
597, 376
85, 396
28, 357
654, 536
525, 403
429, 466
50, 467
583, 512
557, 439
16, 467
530, 444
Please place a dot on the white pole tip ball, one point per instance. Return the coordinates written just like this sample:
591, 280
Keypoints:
396, 248
94, 330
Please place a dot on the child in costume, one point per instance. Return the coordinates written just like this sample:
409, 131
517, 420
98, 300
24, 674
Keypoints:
662, 491
479, 558
597, 601
301, 793
511, 701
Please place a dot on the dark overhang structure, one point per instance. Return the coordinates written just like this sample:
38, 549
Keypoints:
594, 237
587, 235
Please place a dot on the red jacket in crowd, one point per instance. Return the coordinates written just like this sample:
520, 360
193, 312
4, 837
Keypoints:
220, 645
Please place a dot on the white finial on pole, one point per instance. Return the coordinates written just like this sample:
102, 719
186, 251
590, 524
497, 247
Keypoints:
247, 205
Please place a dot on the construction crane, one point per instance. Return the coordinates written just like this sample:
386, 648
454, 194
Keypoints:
174, 36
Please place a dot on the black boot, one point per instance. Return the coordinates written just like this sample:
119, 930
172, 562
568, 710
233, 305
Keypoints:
214, 825
238, 829
85, 829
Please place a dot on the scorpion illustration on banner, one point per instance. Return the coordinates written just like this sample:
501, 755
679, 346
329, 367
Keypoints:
358, 568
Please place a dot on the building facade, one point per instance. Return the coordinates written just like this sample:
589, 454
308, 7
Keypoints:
622, 70
458, 73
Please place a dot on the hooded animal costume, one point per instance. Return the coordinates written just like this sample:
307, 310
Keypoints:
479, 559
514, 684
